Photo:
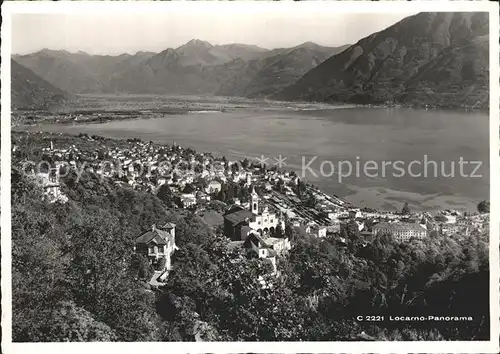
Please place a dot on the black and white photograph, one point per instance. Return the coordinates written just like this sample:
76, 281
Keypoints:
241, 173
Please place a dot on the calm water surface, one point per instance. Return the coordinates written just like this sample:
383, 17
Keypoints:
356, 135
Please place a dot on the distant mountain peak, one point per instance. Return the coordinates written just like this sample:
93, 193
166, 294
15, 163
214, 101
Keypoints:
308, 44
196, 67
197, 43
167, 51
145, 52
48, 51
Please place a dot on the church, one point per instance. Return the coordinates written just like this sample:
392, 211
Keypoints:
240, 222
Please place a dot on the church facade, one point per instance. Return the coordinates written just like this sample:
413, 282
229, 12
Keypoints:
239, 223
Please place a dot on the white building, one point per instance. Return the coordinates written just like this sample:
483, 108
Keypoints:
267, 248
318, 231
400, 231
156, 244
51, 188
213, 187
263, 221
188, 199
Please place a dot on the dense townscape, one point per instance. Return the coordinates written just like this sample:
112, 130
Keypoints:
244, 227
186, 179
121, 234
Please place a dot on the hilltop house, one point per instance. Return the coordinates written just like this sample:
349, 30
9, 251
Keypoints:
267, 248
157, 244
49, 181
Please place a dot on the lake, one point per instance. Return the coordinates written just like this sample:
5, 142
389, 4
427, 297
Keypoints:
405, 140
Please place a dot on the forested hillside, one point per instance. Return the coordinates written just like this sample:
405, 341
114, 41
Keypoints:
29, 91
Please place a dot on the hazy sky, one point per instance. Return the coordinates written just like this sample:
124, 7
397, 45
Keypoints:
126, 32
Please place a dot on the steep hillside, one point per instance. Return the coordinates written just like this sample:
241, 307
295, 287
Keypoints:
200, 68
198, 52
458, 76
79, 72
244, 51
62, 69
29, 91
182, 70
239, 75
430, 58
282, 70
196, 67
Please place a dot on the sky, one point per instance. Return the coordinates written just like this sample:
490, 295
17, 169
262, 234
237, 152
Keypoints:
100, 33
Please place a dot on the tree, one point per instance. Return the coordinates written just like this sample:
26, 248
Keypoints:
280, 186
244, 194
440, 218
141, 268
164, 193
75, 324
289, 231
311, 200
217, 205
192, 229
226, 163
406, 209
279, 231
221, 196
483, 207
235, 168
230, 191
301, 188
178, 201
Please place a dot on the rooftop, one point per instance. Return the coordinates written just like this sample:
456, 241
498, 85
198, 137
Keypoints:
398, 226
168, 225
238, 216
157, 236
270, 241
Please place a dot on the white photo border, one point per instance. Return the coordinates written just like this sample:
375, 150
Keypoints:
115, 7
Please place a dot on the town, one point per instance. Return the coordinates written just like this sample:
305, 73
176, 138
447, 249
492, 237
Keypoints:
254, 206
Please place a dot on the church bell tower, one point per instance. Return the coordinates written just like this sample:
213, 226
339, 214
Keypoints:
254, 202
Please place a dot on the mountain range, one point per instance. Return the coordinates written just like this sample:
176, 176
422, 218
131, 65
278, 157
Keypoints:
29, 91
196, 67
439, 59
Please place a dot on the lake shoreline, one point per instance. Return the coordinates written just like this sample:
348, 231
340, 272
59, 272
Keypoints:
374, 197
92, 113
244, 128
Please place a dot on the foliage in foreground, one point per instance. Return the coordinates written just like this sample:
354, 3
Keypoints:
71, 265
75, 279
324, 287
